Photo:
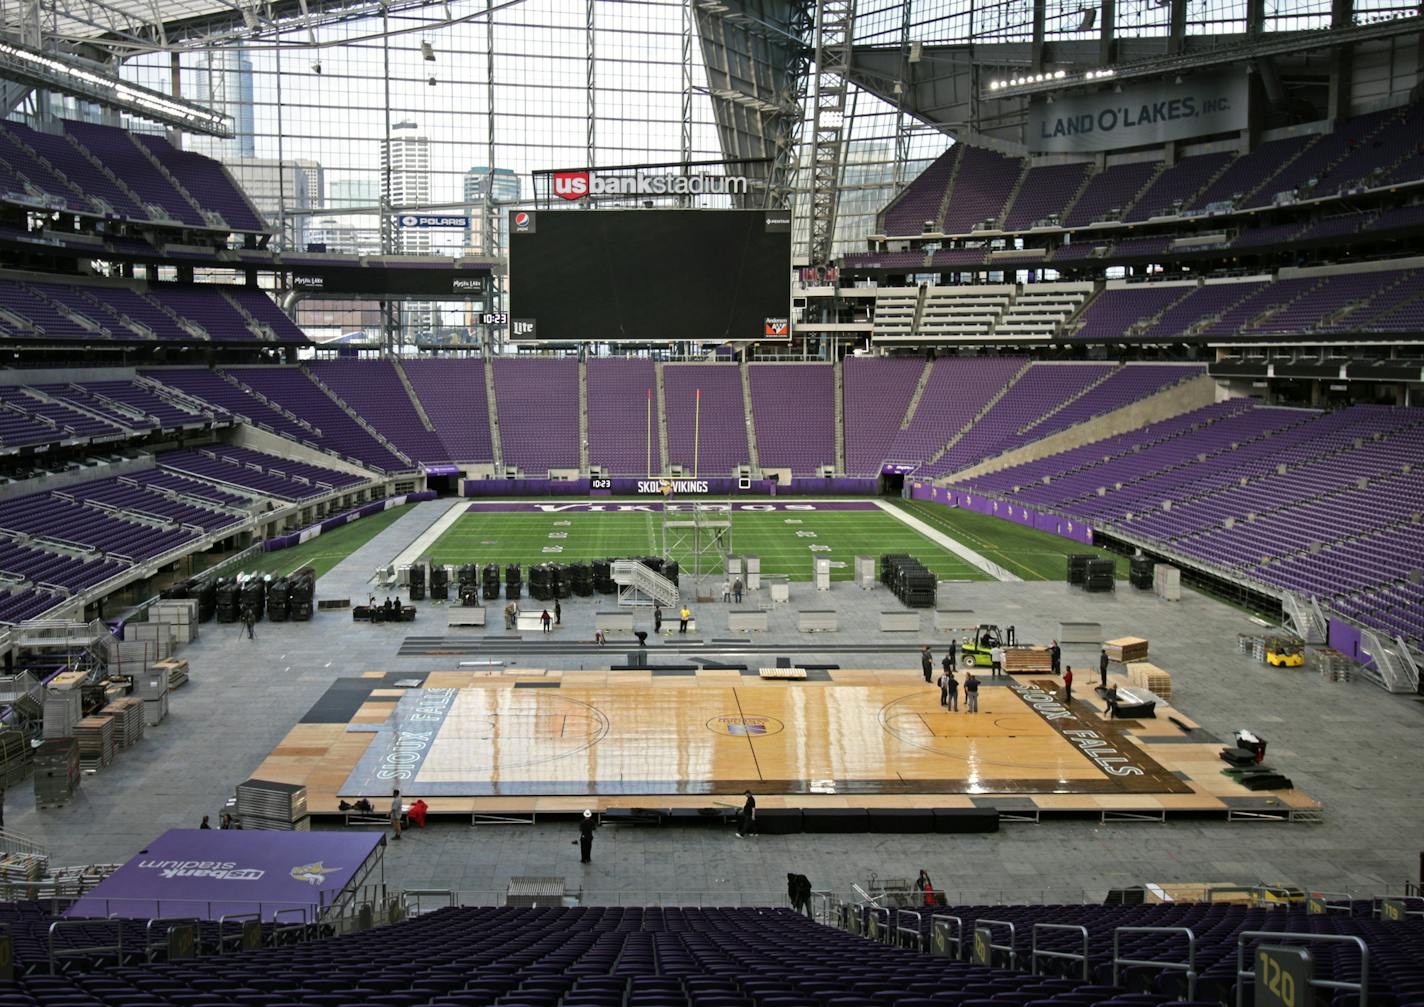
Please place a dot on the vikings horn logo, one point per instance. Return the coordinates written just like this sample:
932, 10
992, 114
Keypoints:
313, 874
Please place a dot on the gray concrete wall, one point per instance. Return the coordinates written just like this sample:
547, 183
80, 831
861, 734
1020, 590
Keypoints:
1194, 394
273, 444
55, 376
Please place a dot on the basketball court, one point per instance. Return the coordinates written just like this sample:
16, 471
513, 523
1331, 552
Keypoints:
531, 741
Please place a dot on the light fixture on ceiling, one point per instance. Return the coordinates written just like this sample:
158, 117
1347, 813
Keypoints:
316, 68
1090, 18
430, 81
427, 51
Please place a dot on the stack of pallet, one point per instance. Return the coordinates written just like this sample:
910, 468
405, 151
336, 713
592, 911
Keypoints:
177, 669
788, 674
1333, 665
128, 721
96, 742
63, 704
1126, 649
266, 804
14, 757
1150, 677
1027, 660
56, 772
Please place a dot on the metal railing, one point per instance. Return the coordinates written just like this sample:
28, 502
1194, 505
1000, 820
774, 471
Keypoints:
241, 919
59, 926
908, 937
1243, 974
167, 924
940, 936
1189, 966
1011, 947
1036, 952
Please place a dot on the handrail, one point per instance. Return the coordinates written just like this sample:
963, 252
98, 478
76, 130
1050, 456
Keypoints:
957, 940
901, 931
280, 929
1189, 967
1379, 901
117, 947
1011, 947
885, 930
1242, 973
413, 897
167, 922
242, 918
1341, 901
1038, 953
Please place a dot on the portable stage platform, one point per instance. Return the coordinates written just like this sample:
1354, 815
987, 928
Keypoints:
519, 743
209, 874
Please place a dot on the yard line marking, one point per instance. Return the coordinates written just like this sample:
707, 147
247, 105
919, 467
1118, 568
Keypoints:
958, 548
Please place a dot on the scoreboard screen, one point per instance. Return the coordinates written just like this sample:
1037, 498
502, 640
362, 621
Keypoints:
647, 276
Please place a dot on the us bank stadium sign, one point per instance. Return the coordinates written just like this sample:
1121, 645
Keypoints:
575, 185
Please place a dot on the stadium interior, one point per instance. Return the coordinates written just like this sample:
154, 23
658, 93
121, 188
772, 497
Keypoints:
924, 498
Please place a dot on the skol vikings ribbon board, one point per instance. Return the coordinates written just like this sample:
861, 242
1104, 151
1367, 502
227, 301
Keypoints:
211, 873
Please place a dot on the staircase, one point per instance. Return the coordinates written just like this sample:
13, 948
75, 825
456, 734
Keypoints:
360, 420
1151, 181
750, 418
1072, 398
920, 300
496, 449
915, 398
1304, 617
1073, 199
637, 585
1013, 198
1391, 667
410, 393
980, 414
583, 416
260, 330
840, 416
162, 169
943, 207
103, 169
662, 420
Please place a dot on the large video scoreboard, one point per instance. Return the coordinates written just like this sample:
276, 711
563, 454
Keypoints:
647, 276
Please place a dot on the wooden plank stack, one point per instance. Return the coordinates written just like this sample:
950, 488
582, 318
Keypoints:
1027, 660
128, 721
1126, 649
1333, 665
14, 757
1150, 677
177, 669
266, 804
23, 867
791, 674
96, 742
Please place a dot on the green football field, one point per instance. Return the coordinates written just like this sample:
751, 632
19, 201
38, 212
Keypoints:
786, 541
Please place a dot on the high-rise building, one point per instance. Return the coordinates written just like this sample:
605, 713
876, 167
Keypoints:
277, 187
224, 83
405, 180
487, 190
405, 184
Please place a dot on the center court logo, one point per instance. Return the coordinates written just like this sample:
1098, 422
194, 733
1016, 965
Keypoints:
573, 185
745, 726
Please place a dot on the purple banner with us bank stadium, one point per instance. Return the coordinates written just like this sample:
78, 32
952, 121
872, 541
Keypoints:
211, 873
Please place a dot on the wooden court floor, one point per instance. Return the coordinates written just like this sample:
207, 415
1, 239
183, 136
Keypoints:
528, 741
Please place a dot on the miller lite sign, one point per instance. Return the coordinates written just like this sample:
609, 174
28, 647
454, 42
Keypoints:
522, 328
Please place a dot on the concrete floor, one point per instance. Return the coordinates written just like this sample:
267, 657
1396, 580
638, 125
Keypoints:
1349, 745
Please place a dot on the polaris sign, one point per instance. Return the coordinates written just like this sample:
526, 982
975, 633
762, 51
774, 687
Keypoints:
574, 185
1144, 114
424, 220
